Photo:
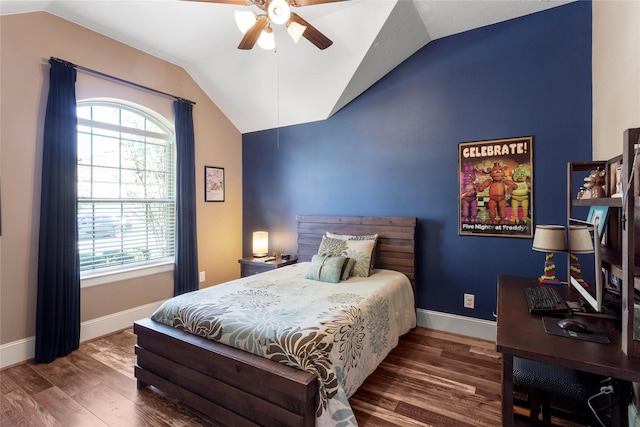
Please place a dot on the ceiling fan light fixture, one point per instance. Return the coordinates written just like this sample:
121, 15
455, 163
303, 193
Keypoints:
245, 19
266, 40
295, 30
279, 11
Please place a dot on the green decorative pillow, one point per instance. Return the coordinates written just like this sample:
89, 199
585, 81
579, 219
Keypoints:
326, 268
359, 250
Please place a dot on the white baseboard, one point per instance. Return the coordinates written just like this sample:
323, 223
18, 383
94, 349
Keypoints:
24, 349
17, 351
469, 326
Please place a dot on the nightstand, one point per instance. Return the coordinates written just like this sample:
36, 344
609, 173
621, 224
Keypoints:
250, 266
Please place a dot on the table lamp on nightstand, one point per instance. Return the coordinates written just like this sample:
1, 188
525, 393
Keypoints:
260, 243
549, 239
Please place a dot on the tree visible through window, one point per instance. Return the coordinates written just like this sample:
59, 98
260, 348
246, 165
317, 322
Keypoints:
126, 191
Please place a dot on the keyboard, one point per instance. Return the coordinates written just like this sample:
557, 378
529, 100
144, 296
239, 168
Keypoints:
545, 300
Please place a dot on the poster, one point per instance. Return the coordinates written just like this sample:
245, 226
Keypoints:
496, 188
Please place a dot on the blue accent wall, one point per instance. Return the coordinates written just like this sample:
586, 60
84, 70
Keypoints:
394, 149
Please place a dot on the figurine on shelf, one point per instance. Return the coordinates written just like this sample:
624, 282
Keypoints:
593, 186
585, 189
599, 181
581, 192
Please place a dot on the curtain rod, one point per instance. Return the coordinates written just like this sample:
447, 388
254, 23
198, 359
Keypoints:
118, 79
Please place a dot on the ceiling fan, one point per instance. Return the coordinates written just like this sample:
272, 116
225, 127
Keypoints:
257, 28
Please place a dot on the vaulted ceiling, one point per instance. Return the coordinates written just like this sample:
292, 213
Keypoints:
298, 83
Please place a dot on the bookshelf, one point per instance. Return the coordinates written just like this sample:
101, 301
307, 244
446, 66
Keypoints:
620, 256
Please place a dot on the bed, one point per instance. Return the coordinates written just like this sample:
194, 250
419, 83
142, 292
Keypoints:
232, 386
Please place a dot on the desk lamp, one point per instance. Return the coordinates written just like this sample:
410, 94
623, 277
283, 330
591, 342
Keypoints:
549, 239
579, 243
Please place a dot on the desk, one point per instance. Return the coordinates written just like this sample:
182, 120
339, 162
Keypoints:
521, 334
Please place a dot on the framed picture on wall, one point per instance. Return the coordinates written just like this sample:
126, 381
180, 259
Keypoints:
496, 188
213, 184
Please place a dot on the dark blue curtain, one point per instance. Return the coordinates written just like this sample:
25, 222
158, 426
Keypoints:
58, 308
185, 273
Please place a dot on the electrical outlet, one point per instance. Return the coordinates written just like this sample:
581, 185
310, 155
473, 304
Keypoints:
201, 276
469, 301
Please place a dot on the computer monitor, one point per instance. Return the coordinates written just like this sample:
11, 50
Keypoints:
586, 276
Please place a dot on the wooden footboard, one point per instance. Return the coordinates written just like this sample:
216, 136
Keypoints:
229, 386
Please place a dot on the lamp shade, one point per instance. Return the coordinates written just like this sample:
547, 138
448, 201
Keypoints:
580, 241
245, 19
295, 30
266, 40
550, 238
279, 11
260, 243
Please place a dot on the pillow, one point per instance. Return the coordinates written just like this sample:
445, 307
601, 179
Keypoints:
326, 268
347, 268
373, 237
359, 250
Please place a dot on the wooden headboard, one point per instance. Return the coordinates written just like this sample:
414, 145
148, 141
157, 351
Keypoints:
395, 249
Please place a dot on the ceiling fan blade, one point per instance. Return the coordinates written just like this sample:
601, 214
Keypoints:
238, 2
311, 33
253, 34
299, 3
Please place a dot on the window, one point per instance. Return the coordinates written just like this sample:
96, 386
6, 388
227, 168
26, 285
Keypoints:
126, 191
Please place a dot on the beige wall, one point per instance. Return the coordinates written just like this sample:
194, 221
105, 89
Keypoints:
27, 41
616, 74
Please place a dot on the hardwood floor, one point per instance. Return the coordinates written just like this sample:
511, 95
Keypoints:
432, 378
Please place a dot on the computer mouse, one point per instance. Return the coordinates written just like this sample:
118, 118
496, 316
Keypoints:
573, 325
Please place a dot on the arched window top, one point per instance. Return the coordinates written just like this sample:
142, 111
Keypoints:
117, 112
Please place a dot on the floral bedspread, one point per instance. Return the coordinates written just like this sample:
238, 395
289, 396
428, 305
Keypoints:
340, 332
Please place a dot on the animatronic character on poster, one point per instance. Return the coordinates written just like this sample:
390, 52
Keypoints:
468, 201
520, 195
498, 186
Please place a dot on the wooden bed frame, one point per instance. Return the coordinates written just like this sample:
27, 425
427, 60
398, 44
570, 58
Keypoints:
233, 387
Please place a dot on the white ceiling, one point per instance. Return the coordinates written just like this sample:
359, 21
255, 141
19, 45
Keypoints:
258, 89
